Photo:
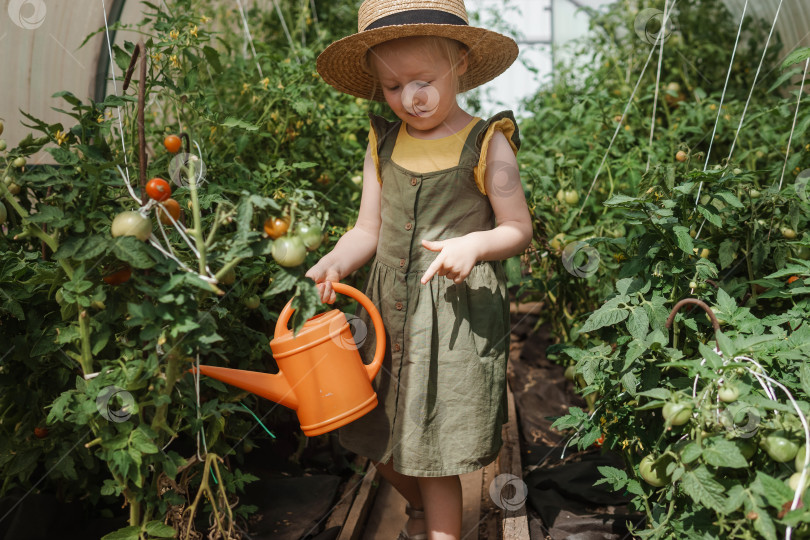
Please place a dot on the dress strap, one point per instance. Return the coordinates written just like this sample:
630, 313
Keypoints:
385, 132
482, 132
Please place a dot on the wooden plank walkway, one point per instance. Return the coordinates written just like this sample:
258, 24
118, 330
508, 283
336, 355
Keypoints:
375, 510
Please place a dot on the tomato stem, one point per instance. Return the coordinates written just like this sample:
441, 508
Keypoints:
86, 359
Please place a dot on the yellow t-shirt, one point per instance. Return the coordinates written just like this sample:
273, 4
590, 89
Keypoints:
424, 156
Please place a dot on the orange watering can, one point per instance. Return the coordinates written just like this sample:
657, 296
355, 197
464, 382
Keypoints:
321, 375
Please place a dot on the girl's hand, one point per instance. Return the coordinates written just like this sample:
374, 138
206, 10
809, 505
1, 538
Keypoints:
456, 258
324, 274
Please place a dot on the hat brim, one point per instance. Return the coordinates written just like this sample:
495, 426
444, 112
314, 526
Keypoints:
342, 64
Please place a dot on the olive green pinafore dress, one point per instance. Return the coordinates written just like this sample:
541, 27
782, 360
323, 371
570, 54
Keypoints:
442, 386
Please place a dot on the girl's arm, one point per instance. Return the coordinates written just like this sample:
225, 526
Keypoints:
513, 233
358, 245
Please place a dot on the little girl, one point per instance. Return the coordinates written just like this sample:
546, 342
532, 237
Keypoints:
442, 205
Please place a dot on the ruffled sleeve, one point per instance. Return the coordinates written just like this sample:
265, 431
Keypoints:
379, 128
506, 124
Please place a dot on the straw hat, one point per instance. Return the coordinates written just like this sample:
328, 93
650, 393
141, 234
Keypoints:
342, 64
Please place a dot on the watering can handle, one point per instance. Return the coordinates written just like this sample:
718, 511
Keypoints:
374, 367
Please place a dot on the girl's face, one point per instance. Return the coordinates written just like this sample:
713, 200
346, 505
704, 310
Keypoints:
417, 83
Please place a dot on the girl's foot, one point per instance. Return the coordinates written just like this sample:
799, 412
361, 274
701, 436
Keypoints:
415, 529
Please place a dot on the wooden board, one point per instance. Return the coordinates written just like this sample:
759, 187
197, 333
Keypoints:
515, 524
358, 513
341, 510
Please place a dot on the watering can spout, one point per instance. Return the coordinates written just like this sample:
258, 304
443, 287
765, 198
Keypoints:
267, 385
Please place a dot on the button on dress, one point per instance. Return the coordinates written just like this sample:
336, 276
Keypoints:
442, 387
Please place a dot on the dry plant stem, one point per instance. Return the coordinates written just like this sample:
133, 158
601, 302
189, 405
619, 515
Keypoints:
140, 49
206, 488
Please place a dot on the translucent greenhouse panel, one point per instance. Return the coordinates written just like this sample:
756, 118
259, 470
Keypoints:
43, 54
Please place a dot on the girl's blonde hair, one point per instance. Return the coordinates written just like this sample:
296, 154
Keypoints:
430, 45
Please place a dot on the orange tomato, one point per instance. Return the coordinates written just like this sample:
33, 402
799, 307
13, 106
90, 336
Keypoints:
173, 208
276, 227
158, 189
791, 279
172, 143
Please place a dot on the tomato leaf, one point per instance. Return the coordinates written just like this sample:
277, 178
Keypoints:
796, 56
607, 315
235, 122
130, 249
684, 240
723, 453
127, 533
703, 488
161, 530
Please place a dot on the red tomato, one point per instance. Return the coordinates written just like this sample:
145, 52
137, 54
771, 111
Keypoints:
119, 276
158, 189
172, 143
171, 206
40, 432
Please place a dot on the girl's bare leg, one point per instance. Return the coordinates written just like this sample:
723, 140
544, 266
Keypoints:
443, 506
408, 487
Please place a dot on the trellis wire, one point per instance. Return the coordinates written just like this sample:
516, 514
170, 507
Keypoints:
793, 128
626, 108
657, 83
756, 76
249, 37
722, 100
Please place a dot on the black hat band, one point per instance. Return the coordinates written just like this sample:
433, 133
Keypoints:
417, 16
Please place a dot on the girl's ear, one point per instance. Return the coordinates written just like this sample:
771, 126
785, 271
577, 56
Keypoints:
462, 66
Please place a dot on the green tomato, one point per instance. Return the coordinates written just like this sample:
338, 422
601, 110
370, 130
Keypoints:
754, 194
557, 241
561, 195
728, 393
747, 447
289, 251
2, 145
793, 481
229, 277
677, 414
788, 233
571, 196
779, 448
570, 373
252, 302
799, 463
311, 235
13, 188
653, 471
131, 223
19, 162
